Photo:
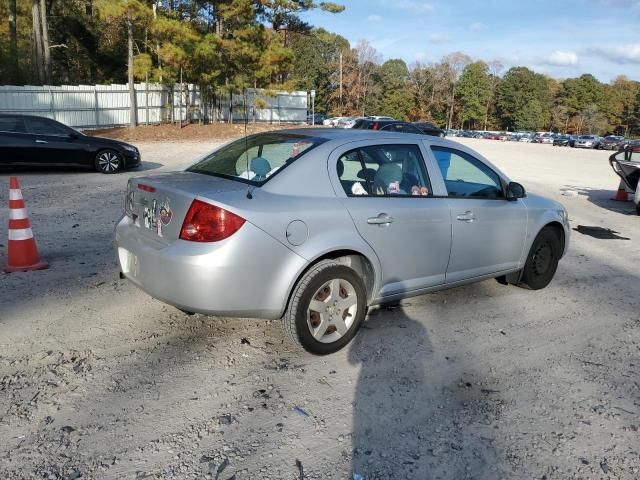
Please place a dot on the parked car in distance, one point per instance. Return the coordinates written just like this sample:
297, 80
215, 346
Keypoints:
587, 141
525, 138
430, 129
379, 117
389, 126
348, 122
314, 225
27, 140
544, 138
316, 119
562, 140
331, 122
612, 142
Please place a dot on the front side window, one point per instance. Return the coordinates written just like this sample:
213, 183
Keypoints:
466, 176
384, 170
256, 158
43, 126
12, 124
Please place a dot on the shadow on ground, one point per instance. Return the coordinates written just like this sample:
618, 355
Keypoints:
601, 198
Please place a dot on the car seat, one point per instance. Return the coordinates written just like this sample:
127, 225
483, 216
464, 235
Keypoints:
387, 174
261, 167
409, 174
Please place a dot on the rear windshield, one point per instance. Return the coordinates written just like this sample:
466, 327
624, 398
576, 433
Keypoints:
255, 159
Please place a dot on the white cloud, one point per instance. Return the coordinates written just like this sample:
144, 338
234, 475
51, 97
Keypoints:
415, 6
477, 26
438, 39
621, 54
374, 18
561, 58
420, 56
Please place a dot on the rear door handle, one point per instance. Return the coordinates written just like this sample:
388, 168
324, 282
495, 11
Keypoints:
41, 141
467, 216
381, 219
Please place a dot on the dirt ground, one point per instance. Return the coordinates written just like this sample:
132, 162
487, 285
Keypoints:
188, 133
98, 380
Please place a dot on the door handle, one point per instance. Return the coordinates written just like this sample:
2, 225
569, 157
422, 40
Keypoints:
467, 216
41, 141
381, 219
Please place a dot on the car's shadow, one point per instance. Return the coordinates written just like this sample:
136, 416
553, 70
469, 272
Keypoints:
31, 170
601, 198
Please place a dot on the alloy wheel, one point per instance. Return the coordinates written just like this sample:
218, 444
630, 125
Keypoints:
108, 162
332, 310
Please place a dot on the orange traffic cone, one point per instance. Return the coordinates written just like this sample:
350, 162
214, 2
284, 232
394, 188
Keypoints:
621, 194
23, 253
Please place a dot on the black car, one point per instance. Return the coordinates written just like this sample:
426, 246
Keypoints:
316, 119
561, 141
429, 129
387, 125
30, 140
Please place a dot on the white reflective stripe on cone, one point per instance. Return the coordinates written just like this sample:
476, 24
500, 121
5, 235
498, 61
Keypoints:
17, 214
15, 194
20, 234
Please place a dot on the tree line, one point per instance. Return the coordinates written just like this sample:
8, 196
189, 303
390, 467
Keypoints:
228, 45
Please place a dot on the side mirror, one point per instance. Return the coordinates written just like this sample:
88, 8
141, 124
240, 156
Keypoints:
515, 191
73, 136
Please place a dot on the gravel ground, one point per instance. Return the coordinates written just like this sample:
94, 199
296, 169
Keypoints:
98, 380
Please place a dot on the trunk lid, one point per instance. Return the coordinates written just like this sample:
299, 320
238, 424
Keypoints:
158, 204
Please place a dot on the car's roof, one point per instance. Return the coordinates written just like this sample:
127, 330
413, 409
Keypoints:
13, 115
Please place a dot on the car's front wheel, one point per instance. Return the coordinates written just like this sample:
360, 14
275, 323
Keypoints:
326, 309
109, 161
542, 261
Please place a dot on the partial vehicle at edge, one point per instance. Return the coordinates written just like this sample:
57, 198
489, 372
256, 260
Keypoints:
27, 140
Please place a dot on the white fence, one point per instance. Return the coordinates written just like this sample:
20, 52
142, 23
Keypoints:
92, 106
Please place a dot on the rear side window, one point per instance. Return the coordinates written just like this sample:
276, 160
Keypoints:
466, 176
257, 158
43, 126
384, 170
12, 125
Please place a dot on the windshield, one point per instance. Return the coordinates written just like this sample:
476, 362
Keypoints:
256, 158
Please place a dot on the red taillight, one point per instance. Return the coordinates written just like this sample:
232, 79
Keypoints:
146, 188
208, 223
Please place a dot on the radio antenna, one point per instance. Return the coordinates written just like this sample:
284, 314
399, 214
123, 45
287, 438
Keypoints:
246, 141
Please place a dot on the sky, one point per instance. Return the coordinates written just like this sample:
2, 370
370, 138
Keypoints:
561, 38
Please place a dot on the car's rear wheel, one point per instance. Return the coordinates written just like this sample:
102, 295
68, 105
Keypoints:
109, 161
326, 309
542, 261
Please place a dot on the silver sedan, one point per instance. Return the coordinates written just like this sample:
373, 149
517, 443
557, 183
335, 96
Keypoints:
315, 225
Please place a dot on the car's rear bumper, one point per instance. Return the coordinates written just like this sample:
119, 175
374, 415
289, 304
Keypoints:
249, 274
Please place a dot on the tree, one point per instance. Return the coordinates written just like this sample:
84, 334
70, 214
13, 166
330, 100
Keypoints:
454, 63
473, 92
522, 99
128, 13
13, 40
560, 118
315, 66
395, 98
360, 67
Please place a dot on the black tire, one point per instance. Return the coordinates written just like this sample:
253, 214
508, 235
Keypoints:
295, 318
109, 161
542, 261
638, 208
